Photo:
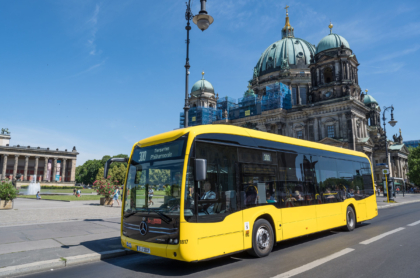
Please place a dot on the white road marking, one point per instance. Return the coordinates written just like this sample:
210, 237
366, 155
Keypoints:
414, 224
314, 264
373, 239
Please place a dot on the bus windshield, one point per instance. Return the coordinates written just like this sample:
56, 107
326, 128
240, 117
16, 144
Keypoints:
154, 178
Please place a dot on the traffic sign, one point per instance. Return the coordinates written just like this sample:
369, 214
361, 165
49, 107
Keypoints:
385, 171
381, 164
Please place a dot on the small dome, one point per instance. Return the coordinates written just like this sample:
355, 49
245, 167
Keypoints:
369, 100
331, 41
202, 85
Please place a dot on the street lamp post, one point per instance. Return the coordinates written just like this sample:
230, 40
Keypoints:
203, 21
392, 122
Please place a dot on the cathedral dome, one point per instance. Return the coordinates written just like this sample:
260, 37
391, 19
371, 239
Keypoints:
369, 100
202, 86
289, 52
331, 41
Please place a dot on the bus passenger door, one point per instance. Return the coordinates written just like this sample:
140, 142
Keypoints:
219, 220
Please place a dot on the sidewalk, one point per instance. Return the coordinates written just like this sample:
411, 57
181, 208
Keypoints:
399, 199
39, 230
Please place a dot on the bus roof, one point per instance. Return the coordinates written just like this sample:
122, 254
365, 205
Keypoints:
235, 130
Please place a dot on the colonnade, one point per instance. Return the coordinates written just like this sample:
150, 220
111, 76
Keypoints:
46, 172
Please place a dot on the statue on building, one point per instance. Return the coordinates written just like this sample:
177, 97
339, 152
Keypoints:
5, 131
225, 114
255, 72
285, 63
398, 139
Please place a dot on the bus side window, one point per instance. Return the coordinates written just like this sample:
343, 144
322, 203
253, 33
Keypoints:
217, 194
329, 183
367, 179
296, 179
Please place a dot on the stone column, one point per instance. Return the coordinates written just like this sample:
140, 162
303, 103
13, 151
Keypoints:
25, 172
320, 129
16, 166
400, 168
73, 170
339, 127
63, 176
3, 172
351, 130
54, 169
316, 134
45, 168
337, 70
36, 167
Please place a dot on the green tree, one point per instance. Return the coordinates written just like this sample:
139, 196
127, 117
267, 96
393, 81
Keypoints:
89, 171
100, 173
118, 173
157, 176
414, 165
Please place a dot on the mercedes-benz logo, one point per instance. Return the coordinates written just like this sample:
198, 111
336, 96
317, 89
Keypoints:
143, 228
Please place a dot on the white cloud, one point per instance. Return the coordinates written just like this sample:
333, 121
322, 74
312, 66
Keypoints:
92, 22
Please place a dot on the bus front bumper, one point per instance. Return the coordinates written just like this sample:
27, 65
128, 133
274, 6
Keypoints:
170, 251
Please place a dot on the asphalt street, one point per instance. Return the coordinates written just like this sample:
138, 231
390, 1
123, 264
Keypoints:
387, 246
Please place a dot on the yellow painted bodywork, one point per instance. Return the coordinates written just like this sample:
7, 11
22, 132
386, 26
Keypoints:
208, 240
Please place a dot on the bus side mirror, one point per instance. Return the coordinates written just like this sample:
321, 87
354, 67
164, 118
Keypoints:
200, 169
109, 161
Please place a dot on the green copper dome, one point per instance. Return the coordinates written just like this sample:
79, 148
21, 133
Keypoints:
202, 85
331, 41
284, 53
369, 100
287, 53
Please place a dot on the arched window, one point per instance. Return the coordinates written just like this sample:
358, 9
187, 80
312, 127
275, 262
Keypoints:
328, 75
194, 105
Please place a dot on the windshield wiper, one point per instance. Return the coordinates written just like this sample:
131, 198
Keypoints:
164, 217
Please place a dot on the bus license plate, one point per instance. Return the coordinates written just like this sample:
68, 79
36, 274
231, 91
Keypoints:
143, 249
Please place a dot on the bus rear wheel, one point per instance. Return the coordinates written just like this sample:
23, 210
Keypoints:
262, 239
351, 219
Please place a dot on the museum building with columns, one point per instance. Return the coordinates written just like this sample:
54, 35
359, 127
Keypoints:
43, 164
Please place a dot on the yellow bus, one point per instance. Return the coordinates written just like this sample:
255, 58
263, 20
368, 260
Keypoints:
201, 192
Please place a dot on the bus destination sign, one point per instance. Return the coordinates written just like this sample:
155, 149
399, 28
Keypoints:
159, 152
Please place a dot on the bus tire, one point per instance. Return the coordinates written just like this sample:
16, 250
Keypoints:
351, 219
262, 239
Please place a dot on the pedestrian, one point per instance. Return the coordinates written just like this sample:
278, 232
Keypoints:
150, 196
378, 191
74, 191
115, 198
38, 196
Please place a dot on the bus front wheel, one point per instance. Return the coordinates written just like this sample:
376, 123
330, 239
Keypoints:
351, 219
262, 239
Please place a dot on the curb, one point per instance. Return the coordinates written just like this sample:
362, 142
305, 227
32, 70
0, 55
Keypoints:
62, 262
398, 204
43, 199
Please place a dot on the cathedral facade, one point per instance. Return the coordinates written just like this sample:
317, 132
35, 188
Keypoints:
328, 105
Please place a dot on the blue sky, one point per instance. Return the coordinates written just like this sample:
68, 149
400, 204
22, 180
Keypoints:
101, 75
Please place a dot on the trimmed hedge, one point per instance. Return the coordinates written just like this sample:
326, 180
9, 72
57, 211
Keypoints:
55, 187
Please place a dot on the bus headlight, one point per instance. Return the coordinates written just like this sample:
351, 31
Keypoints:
176, 241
